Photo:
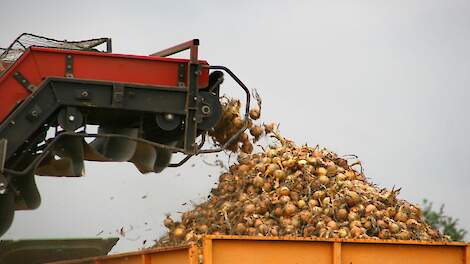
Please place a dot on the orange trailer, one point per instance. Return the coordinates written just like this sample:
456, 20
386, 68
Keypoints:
251, 250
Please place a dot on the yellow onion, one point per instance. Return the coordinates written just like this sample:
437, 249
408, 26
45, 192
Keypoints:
332, 225
249, 208
258, 181
255, 113
320, 171
301, 204
324, 179
168, 222
179, 232
342, 233
284, 191
341, 214
289, 209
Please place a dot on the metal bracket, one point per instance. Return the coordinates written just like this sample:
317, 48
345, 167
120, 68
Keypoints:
3, 154
181, 75
118, 95
69, 66
23, 81
192, 105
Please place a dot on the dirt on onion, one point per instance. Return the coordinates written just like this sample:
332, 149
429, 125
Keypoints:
294, 190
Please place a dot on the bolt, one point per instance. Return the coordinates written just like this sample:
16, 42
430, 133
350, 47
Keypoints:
34, 113
84, 94
71, 118
3, 188
205, 109
169, 117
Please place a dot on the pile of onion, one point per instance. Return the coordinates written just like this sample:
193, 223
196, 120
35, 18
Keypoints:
292, 190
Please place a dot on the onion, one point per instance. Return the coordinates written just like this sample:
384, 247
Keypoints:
342, 214
353, 216
324, 180
384, 234
328, 211
350, 174
289, 209
394, 228
240, 228
341, 177
319, 195
305, 216
312, 160
320, 171
342, 233
296, 221
308, 231
252, 231
258, 181
352, 198
274, 231
279, 174
258, 222
168, 222
237, 122
356, 232
411, 223
255, 113
370, 209
247, 147
312, 203
382, 224
331, 169
256, 131
249, 209
326, 201
401, 216
202, 228
403, 235
355, 223
263, 229
301, 204
267, 186
278, 211
284, 199
243, 169
179, 232
272, 168
269, 128
332, 225
244, 137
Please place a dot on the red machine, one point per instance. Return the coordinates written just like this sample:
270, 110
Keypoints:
145, 107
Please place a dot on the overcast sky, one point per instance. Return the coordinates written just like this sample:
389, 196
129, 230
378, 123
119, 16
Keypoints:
386, 80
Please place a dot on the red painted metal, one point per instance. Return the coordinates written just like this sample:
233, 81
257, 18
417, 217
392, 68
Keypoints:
37, 64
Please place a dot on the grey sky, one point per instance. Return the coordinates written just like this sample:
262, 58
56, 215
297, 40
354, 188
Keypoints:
386, 80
